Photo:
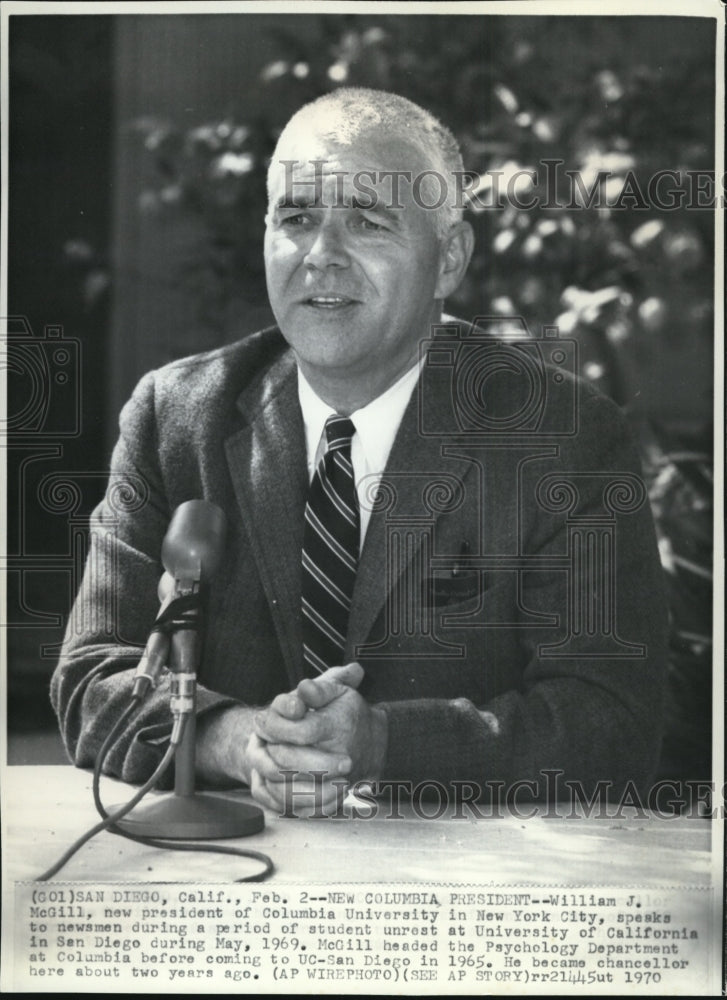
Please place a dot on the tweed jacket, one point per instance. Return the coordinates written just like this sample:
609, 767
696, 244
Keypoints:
508, 609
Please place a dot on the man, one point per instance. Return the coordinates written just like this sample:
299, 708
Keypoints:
468, 641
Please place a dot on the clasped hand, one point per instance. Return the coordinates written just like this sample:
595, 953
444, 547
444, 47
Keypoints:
323, 726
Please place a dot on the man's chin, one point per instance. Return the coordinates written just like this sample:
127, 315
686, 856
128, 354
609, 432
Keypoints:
326, 363
325, 340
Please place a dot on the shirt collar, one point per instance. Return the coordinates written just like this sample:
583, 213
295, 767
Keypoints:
376, 423
315, 414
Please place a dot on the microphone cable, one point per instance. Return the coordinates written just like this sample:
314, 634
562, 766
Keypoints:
112, 818
176, 845
108, 820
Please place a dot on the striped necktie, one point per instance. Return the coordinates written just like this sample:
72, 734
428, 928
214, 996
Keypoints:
330, 550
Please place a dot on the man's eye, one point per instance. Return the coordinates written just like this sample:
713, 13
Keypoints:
370, 226
291, 217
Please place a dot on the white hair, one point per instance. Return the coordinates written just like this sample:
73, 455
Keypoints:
347, 113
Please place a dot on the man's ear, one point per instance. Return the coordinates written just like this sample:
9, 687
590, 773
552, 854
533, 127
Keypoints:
455, 254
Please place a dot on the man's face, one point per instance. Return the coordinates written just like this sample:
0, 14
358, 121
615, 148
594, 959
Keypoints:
353, 288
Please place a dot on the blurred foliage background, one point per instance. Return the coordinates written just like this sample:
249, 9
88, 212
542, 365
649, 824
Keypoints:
518, 93
633, 283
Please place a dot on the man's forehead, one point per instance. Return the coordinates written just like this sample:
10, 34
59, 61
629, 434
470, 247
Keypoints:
377, 150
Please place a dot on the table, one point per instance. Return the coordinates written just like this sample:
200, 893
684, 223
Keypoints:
45, 808
446, 905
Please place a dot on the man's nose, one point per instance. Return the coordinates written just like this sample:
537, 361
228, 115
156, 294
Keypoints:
328, 248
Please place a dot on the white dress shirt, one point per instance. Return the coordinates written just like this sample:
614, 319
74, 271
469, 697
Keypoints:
376, 426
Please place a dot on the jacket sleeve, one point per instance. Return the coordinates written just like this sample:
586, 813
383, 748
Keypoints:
115, 609
593, 718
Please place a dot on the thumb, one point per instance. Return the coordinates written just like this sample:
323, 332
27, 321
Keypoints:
351, 674
320, 691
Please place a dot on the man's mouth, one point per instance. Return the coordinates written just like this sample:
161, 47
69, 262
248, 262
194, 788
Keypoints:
328, 301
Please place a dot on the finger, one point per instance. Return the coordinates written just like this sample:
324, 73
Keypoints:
289, 705
259, 760
312, 799
307, 759
298, 799
261, 793
285, 762
332, 681
318, 692
274, 728
350, 673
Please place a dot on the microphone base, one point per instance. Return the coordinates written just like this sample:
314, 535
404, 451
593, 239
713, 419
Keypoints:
208, 816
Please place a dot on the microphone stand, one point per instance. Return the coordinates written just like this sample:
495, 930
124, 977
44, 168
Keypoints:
187, 813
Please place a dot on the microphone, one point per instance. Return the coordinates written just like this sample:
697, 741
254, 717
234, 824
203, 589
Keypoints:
192, 551
194, 544
156, 651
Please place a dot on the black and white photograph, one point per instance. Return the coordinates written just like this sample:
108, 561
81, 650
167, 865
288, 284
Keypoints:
362, 568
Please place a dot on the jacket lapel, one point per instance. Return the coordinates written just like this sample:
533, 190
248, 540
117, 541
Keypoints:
415, 463
268, 468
